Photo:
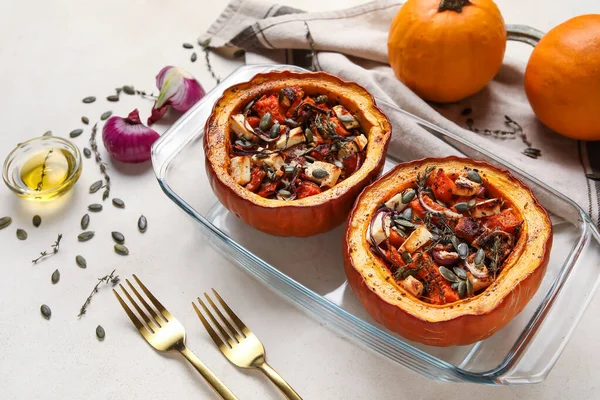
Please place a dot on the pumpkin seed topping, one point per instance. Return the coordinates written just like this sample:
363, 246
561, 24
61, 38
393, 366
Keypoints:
46, 312
37, 221
408, 196
121, 249
474, 176
320, 173
85, 236
448, 275
21, 234
81, 262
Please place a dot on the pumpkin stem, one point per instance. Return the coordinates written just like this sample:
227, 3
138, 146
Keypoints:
453, 5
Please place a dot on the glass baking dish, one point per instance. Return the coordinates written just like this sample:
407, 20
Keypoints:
310, 272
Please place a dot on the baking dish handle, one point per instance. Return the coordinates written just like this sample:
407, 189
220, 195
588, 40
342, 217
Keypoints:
523, 33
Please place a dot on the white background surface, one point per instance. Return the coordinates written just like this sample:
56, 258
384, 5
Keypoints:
52, 54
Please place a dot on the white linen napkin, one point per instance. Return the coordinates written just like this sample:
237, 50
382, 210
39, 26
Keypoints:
352, 44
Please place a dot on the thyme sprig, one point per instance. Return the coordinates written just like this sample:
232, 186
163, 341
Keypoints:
40, 185
52, 252
314, 61
495, 250
110, 278
422, 178
101, 164
206, 48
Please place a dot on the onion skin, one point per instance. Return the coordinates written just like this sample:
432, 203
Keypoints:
468, 320
127, 139
314, 214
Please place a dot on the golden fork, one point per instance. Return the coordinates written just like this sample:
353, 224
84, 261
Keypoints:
165, 333
243, 348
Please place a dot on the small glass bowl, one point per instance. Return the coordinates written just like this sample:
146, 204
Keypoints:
24, 152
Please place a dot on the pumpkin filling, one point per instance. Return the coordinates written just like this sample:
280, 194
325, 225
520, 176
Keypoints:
289, 145
444, 238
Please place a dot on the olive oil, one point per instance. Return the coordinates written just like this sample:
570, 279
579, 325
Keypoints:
42, 168
47, 169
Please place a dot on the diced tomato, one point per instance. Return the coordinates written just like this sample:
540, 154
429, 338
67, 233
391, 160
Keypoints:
339, 127
418, 210
268, 189
395, 239
257, 176
442, 186
351, 164
253, 121
269, 104
306, 189
506, 221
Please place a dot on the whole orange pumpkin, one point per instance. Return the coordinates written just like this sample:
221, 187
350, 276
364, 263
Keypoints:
562, 80
447, 50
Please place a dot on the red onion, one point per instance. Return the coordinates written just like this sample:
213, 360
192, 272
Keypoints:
480, 272
445, 211
178, 89
445, 257
127, 139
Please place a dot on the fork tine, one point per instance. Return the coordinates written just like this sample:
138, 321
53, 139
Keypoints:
168, 316
215, 337
138, 324
238, 337
238, 322
158, 320
139, 310
226, 335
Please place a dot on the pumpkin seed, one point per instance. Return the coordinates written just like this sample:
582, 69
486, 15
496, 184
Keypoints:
37, 221
461, 207
338, 163
474, 176
399, 231
249, 105
275, 130
469, 287
46, 312
94, 187
113, 98
406, 257
118, 237
5, 221
55, 277
105, 194
408, 196
320, 173
21, 234
105, 115
89, 99
118, 202
441, 203
405, 223
85, 221
309, 135
346, 118
142, 224
455, 242
463, 250
204, 43
95, 207
321, 99
479, 257
291, 123
47, 133
121, 250
194, 57
462, 289
75, 132
472, 202
310, 159
285, 193
289, 169
87, 152
85, 236
447, 274
454, 285
461, 273
85, 120
265, 122
188, 46
128, 89
407, 214
100, 334
81, 262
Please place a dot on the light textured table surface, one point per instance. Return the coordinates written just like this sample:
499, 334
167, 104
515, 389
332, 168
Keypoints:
54, 53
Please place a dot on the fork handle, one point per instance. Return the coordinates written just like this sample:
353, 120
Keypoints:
214, 382
281, 384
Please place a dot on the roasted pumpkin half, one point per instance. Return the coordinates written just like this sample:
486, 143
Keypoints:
446, 251
288, 152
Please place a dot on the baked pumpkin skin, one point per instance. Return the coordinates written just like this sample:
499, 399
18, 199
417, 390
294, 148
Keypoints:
562, 81
468, 320
314, 214
446, 50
